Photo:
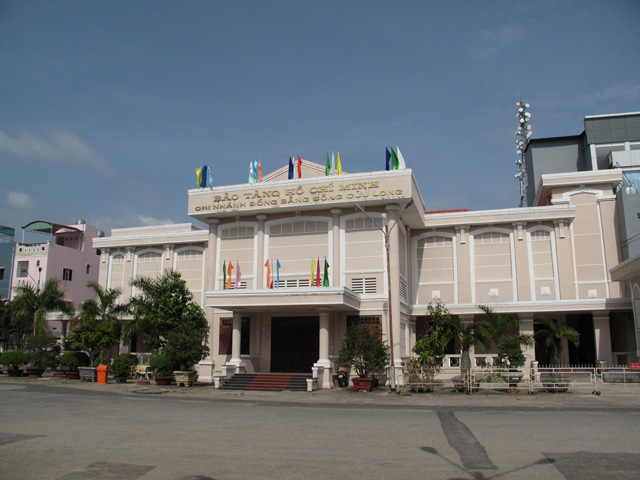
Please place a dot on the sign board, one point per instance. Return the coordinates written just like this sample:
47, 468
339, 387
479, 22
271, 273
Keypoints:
634, 366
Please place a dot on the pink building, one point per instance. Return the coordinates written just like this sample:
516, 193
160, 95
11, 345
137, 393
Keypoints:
67, 255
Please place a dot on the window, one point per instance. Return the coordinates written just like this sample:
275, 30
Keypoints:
150, 257
1, 273
245, 336
360, 224
88, 269
374, 323
23, 268
364, 285
67, 274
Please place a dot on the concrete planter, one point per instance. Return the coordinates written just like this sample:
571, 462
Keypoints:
362, 384
185, 378
88, 374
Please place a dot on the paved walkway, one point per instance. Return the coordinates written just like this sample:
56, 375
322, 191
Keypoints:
612, 395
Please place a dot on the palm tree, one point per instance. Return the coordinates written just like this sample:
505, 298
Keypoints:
554, 336
503, 330
104, 309
467, 335
31, 304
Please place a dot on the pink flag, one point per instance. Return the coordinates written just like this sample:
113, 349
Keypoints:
318, 273
238, 274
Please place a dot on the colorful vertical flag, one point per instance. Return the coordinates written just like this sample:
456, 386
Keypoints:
394, 160
259, 171
204, 176
325, 282
318, 273
333, 163
224, 275
327, 169
209, 176
299, 167
277, 273
388, 159
199, 176
339, 167
290, 168
255, 171
238, 274
229, 270
401, 164
268, 272
252, 176
313, 272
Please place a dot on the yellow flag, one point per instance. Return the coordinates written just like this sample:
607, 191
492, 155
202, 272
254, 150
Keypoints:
313, 272
339, 166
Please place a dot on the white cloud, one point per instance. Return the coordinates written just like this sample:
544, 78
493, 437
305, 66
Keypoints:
493, 40
60, 146
19, 200
145, 221
621, 92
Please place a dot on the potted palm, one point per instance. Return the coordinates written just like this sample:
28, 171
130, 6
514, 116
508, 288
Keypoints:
554, 336
175, 326
42, 351
366, 353
503, 330
13, 360
72, 361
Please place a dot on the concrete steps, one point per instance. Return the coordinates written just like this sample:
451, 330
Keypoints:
274, 382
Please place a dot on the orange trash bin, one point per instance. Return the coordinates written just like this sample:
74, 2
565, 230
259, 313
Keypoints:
103, 370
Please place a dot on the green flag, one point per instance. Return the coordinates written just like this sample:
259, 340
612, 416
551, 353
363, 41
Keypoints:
394, 160
325, 282
224, 275
327, 169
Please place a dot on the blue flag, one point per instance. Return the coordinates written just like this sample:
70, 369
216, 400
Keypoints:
277, 273
290, 168
388, 159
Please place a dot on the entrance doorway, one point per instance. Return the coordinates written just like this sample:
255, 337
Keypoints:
295, 344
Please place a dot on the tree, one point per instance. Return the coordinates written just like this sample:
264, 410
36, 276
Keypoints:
7, 329
104, 308
31, 304
554, 335
92, 337
466, 335
175, 326
503, 330
364, 351
432, 347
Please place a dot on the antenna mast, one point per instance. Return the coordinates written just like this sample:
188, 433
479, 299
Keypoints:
524, 134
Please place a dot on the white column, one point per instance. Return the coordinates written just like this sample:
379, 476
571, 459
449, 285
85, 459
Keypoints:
602, 335
324, 363
393, 276
235, 341
212, 247
335, 266
526, 327
260, 270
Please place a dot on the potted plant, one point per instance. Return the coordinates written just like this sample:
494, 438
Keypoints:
42, 351
121, 366
366, 353
503, 329
162, 369
13, 359
554, 336
93, 337
71, 361
431, 350
175, 326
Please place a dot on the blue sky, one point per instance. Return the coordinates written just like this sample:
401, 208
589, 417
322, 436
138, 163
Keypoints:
107, 108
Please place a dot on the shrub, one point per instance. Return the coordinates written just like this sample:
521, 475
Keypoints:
93, 337
73, 360
162, 365
364, 351
121, 367
42, 350
13, 359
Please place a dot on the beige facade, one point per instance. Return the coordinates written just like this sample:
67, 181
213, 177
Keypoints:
550, 260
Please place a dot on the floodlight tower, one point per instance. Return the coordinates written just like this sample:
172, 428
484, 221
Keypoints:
524, 134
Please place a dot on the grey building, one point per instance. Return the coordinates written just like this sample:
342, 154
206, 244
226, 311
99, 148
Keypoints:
7, 252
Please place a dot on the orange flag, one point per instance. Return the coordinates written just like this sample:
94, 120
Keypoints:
268, 272
229, 270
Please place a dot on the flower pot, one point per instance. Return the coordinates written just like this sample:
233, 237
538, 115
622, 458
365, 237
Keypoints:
362, 384
185, 378
14, 373
88, 374
35, 372
72, 375
512, 378
164, 380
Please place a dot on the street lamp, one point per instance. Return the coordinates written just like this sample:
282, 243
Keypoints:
386, 231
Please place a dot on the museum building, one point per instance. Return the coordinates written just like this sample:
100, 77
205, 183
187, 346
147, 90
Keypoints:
283, 266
